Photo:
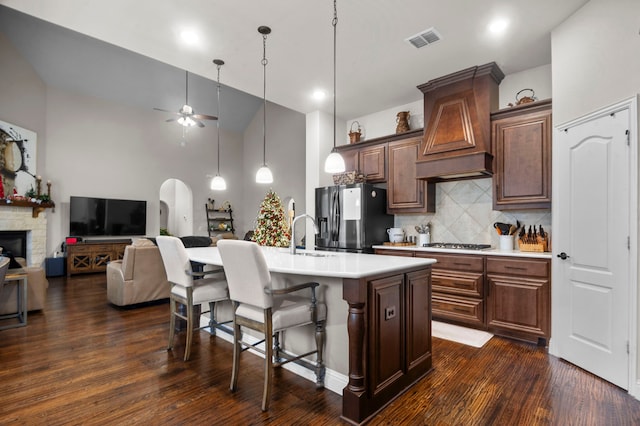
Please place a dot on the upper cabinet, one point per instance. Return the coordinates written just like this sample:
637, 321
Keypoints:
405, 193
392, 159
370, 160
521, 140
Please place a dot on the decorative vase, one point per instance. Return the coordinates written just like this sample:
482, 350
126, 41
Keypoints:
402, 118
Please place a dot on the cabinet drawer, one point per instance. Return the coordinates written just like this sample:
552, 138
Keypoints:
456, 262
461, 283
459, 309
515, 266
79, 249
405, 253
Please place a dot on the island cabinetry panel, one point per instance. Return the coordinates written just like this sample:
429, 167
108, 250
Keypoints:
519, 298
458, 288
405, 193
389, 338
521, 139
83, 258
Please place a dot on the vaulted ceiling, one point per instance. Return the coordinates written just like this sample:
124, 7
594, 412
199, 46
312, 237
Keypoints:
132, 49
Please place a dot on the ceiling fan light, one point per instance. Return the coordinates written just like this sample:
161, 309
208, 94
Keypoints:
334, 163
186, 121
264, 175
218, 183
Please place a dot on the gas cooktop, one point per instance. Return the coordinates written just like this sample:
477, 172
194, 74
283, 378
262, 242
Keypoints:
459, 246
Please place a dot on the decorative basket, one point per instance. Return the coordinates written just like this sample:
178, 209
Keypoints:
346, 178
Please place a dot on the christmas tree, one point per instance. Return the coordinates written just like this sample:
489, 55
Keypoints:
272, 228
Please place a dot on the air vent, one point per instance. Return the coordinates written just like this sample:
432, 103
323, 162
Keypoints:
424, 38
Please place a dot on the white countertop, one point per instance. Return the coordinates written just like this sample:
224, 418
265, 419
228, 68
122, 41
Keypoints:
333, 264
489, 251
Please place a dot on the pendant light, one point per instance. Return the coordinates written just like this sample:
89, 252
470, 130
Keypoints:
264, 174
218, 183
334, 162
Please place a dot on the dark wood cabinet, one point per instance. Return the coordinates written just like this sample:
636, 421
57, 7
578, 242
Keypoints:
458, 288
519, 298
392, 159
508, 296
368, 159
389, 326
521, 138
88, 257
405, 193
372, 163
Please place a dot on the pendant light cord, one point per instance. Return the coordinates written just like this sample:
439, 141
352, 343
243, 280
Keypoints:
186, 95
264, 99
334, 22
218, 120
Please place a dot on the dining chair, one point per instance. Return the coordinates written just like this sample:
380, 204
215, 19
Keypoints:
189, 291
269, 311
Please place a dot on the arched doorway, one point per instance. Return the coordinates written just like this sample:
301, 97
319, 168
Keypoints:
176, 208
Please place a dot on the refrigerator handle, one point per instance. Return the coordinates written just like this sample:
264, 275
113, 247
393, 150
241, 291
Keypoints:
335, 217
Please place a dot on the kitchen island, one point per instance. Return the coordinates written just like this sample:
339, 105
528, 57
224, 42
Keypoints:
380, 339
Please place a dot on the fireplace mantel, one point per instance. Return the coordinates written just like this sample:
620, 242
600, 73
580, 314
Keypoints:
35, 205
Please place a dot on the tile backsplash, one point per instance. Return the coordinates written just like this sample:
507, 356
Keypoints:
464, 214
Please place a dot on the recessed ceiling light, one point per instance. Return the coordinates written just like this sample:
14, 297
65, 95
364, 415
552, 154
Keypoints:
189, 36
498, 26
319, 95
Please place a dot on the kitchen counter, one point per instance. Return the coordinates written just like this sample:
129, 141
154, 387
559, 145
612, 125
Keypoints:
319, 263
378, 327
490, 252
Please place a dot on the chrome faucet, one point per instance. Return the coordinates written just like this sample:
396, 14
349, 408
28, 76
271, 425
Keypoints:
292, 246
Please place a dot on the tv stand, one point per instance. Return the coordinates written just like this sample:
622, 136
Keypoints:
93, 256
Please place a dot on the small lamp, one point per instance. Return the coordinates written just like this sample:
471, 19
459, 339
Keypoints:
263, 174
334, 162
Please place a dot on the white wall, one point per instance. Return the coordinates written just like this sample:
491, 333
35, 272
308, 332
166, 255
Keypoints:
538, 79
596, 58
89, 146
285, 156
383, 123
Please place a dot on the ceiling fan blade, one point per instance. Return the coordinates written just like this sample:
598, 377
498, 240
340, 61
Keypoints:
164, 110
199, 123
203, 117
171, 119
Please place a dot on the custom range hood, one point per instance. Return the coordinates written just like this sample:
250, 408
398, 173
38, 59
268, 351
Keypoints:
457, 136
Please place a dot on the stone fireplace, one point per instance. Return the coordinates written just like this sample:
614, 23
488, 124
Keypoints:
35, 228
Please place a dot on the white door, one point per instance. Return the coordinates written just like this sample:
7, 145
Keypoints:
591, 240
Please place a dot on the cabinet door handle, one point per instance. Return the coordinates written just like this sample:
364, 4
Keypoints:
516, 268
461, 264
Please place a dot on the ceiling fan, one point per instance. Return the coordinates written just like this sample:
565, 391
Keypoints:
186, 115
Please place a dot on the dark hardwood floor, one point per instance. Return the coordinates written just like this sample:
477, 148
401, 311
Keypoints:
84, 361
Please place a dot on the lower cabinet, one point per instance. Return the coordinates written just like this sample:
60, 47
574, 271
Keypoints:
508, 296
519, 298
458, 289
84, 258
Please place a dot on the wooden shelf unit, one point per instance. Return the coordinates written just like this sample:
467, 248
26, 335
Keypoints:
217, 216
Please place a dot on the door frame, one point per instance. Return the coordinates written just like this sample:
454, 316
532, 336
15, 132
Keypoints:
556, 267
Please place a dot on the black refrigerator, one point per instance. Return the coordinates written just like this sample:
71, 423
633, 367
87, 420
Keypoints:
351, 217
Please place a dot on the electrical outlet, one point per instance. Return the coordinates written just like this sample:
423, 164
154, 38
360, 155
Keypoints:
389, 312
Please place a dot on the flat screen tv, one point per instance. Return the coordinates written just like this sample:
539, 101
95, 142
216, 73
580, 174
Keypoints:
90, 216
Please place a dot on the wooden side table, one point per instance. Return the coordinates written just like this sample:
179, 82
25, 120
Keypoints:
19, 276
